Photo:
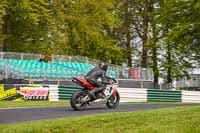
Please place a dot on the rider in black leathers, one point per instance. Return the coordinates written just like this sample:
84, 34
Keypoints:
93, 76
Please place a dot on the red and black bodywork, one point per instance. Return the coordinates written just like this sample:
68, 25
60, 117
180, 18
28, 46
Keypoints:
81, 98
83, 82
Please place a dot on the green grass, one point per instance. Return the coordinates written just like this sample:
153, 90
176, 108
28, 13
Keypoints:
161, 103
170, 120
10, 104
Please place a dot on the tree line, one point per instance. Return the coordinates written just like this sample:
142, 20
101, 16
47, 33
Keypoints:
165, 33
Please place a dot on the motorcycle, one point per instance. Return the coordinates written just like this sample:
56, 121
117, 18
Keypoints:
81, 99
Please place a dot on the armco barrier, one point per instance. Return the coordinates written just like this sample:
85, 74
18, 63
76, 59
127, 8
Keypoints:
40, 92
57, 93
164, 96
133, 94
190, 96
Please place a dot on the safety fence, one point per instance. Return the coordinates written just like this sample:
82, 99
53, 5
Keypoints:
190, 96
19, 56
57, 93
132, 94
164, 96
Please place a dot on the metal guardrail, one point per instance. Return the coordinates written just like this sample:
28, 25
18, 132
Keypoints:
190, 96
57, 93
164, 96
133, 94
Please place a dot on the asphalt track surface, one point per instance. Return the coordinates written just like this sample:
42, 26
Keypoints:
14, 115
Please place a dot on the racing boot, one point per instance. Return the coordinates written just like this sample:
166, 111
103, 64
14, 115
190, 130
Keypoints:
95, 91
92, 94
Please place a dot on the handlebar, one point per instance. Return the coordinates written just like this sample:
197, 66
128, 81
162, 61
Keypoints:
114, 80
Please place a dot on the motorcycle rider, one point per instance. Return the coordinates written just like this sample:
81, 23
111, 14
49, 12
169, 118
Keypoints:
99, 72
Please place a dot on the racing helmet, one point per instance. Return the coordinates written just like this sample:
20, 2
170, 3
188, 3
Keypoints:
103, 66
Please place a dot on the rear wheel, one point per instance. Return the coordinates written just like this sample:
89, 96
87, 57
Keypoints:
78, 101
113, 101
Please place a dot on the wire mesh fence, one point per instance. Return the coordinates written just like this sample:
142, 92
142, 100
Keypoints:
65, 58
19, 56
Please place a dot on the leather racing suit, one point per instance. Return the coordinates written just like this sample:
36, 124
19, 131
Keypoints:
93, 76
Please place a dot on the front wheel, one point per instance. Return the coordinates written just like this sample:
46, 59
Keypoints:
77, 100
113, 101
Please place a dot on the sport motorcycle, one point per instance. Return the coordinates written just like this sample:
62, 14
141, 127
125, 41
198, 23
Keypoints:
81, 99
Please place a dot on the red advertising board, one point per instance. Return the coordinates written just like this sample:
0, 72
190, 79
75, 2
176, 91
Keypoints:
34, 93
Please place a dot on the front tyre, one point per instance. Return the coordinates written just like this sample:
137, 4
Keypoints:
113, 101
76, 100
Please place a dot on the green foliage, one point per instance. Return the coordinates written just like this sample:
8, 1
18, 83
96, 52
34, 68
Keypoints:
3, 6
85, 23
167, 30
62, 27
180, 35
28, 26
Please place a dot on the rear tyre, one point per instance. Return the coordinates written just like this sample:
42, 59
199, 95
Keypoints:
113, 101
76, 100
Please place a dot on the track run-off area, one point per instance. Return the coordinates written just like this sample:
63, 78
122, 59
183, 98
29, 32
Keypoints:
14, 115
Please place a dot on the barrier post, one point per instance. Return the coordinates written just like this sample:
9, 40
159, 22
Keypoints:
58, 82
141, 83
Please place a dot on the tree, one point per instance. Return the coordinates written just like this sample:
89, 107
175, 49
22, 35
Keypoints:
139, 27
180, 22
26, 25
61, 27
136, 24
3, 6
85, 23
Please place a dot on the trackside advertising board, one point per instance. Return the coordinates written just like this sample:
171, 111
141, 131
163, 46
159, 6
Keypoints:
23, 92
34, 93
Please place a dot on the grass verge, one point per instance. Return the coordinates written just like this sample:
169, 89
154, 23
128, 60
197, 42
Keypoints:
162, 103
11, 104
170, 120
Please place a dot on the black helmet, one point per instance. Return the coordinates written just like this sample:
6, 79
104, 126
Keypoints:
103, 66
